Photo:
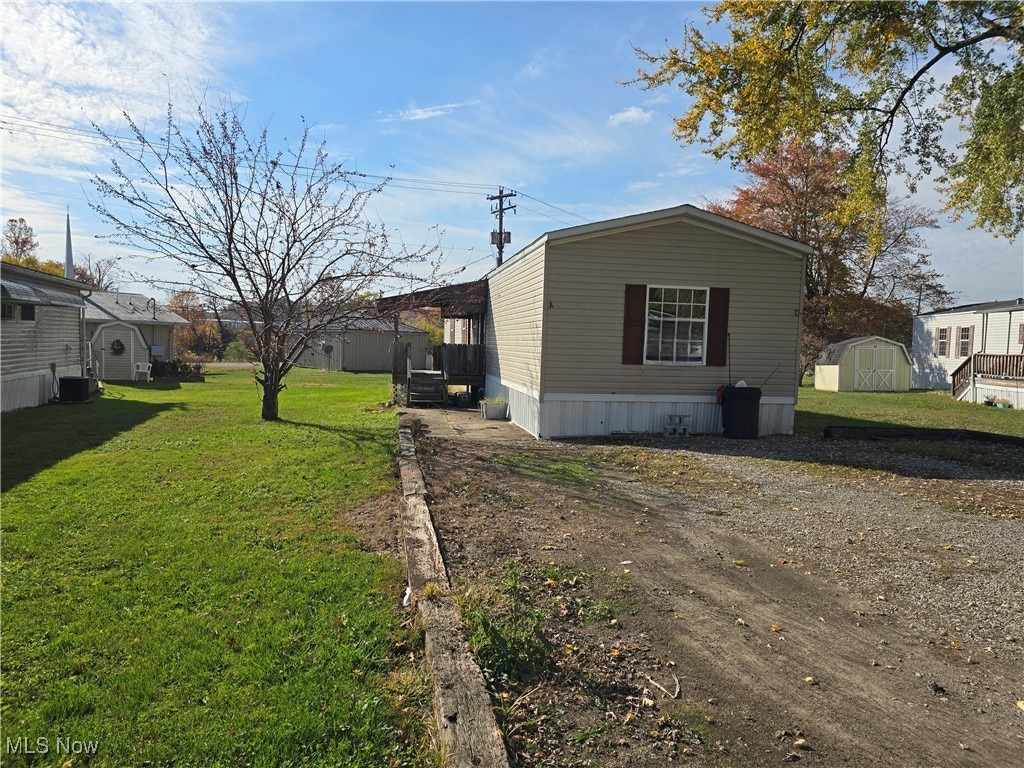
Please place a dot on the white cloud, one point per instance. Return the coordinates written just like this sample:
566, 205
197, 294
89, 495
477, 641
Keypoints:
631, 116
414, 113
69, 64
642, 186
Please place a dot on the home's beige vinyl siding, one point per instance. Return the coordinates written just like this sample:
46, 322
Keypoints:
515, 314
585, 284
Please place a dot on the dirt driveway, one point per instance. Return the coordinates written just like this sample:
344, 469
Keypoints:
746, 603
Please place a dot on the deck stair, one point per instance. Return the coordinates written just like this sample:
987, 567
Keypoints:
427, 388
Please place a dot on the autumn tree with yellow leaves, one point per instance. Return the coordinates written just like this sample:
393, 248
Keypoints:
887, 81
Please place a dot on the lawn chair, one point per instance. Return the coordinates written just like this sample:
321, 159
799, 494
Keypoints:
142, 369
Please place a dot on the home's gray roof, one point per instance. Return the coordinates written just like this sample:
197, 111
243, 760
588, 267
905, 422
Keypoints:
833, 354
985, 306
106, 306
30, 286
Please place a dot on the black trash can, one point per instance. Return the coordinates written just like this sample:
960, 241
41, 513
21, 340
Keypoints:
741, 412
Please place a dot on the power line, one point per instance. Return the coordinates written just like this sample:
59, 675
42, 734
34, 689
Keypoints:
53, 131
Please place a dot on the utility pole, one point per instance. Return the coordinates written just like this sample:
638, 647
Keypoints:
500, 237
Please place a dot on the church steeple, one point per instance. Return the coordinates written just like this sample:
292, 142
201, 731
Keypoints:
69, 261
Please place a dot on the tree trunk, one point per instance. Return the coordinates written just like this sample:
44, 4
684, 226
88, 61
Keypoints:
270, 406
271, 383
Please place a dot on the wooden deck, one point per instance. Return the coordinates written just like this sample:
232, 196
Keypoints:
1008, 368
460, 365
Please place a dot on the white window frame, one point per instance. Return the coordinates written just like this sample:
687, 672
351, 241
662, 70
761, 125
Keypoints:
944, 342
704, 322
963, 344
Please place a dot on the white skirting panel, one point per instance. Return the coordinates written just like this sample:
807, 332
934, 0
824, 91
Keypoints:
26, 390
523, 406
580, 415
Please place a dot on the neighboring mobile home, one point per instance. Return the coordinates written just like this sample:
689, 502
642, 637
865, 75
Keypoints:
976, 350
866, 364
41, 335
127, 328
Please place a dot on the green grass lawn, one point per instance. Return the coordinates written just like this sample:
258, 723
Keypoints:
816, 410
179, 586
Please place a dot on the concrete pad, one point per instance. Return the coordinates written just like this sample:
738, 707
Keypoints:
468, 424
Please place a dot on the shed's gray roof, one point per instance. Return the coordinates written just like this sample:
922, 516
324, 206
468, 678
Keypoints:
833, 354
105, 306
377, 324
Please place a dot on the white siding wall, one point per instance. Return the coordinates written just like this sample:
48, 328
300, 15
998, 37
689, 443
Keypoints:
1002, 333
931, 370
29, 349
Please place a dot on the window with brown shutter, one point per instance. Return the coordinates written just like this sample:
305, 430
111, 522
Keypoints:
633, 325
675, 325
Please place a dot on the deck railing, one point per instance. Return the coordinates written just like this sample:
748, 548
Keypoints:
986, 366
460, 360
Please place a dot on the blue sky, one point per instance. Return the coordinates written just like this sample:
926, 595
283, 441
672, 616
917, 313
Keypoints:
451, 99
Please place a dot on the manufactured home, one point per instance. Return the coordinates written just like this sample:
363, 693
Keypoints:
41, 335
975, 350
621, 325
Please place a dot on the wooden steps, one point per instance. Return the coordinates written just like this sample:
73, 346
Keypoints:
427, 388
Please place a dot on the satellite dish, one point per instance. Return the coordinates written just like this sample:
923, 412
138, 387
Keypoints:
328, 349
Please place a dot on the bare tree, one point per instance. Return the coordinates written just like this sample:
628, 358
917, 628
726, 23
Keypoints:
101, 274
280, 235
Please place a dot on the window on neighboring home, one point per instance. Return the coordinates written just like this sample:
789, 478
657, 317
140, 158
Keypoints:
964, 349
23, 312
942, 349
676, 325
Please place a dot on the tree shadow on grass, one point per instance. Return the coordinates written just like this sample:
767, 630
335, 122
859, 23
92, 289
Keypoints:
355, 436
37, 438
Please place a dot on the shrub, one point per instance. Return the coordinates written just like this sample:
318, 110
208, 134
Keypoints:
178, 368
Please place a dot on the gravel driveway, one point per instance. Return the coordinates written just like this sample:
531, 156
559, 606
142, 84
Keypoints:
830, 602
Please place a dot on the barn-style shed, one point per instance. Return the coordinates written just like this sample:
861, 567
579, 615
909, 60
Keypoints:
865, 364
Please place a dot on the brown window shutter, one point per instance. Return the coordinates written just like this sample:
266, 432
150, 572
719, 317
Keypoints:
949, 343
718, 327
634, 325
935, 342
970, 342
1020, 334
956, 351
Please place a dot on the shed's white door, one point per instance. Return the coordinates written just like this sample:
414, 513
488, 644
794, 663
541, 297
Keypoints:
875, 369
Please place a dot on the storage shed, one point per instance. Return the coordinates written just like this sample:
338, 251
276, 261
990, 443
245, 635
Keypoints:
364, 343
865, 364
